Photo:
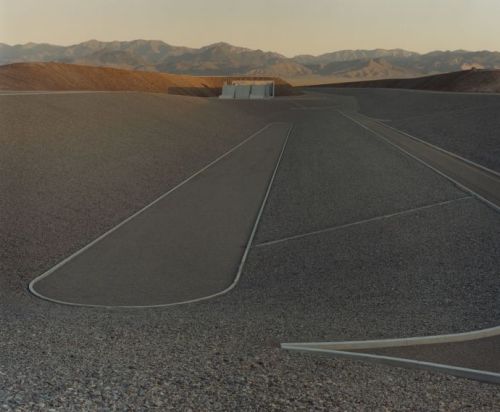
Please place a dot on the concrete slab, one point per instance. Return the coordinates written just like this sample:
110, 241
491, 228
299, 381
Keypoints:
228, 91
481, 182
464, 123
186, 246
242, 91
473, 355
480, 354
259, 91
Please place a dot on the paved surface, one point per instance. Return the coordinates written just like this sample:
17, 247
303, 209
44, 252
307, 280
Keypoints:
428, 264
335, 173
186, 246
482, 354
96, 159
482, 182
464, 123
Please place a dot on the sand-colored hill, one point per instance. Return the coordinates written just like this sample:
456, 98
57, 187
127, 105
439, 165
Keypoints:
61, 76
474, 80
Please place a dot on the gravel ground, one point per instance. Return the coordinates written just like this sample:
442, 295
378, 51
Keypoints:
155, 259
465, 124
75, 165
336, 172
224, 354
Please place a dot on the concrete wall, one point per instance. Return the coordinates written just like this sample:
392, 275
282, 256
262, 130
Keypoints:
247, 91
228, 91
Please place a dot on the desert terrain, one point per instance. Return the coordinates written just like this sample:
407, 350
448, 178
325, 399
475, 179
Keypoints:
74, 77
249, 206
64, 77
300, 220
473, 80
223, 59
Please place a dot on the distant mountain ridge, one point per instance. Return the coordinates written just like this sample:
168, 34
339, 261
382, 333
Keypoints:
349, 55
223, 59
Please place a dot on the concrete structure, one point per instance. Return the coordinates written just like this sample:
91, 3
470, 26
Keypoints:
248, 89
261, 91
228, 91
242, 91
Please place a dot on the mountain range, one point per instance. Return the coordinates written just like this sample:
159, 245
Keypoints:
223, 59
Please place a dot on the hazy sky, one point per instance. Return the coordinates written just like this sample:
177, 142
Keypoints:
286, 26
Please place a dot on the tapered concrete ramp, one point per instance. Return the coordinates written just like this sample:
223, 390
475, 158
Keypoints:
188, 245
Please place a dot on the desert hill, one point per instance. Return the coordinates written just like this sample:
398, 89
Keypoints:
228, 60
62, 76
473, 80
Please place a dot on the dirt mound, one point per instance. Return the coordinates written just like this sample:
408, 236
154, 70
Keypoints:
61, 76
474, 80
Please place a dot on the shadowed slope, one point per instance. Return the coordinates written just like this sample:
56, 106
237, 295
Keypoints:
463, 81
61, 76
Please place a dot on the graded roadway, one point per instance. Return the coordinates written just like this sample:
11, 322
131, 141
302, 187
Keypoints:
357, 240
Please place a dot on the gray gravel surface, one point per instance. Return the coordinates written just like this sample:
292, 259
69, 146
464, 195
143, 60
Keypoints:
429, 272
384, 279
175, 250
465, 124
74, 166
336, 172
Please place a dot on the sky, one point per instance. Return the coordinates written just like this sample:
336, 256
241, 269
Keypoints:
289, 27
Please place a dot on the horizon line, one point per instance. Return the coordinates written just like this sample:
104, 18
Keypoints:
249, 48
